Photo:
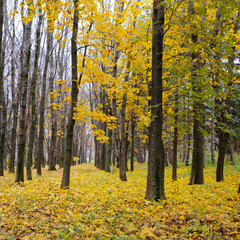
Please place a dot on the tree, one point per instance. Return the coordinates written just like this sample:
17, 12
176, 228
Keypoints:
74, 94
15, 99
33, 102
26, 53
224, 108
52, 150
175, 140
156, 163
3, 110
197, 159
40, 156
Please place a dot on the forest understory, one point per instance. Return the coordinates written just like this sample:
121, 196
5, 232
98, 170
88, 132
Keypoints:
100, 206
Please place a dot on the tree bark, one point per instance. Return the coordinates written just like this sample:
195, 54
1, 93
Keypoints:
175, 140
33, 108
212, 144
223, 136
15, 97
103, 127
26, 53
140, 157
197, 159
132, 145
221, 155
52, 152
109, 152
123, 142
74, 94
188, 150
3, 110
156, 163
40, 155
231, 151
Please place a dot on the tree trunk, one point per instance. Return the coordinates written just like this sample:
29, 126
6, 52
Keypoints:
197, 159
3, 113
33, 108
40, 155
123, 142
231, 152
114, 149
212, 144
188, 150
109, 152
103, 127
90, 149
26, 53
74, 94
156, 163
52, 152
15, 97
140, 151
175, 140
221, 155
132, 146
96, 158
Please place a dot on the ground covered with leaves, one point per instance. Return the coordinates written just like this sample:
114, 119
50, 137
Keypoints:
99, 206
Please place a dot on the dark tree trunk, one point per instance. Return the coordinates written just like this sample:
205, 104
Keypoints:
3, 113
113, 150
123, 142
74, 94
109, 152
140, 157
132, 146
116, 138
40, 155
156, 163
221, 155
103, 127
212, 144
175, 140
126, 146
231, 65
90, 149
15, 97
63, 149
114, 110
33, 108
13, 138
96, 158
102, 156
170, 154
52, 152
23, 102
197, 158
109, 144
231, 152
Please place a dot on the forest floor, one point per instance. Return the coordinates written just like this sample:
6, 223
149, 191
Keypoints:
99, 206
